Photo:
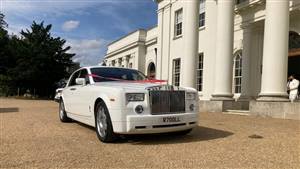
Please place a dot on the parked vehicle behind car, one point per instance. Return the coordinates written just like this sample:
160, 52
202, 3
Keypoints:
60, 85
123, 101
58, 94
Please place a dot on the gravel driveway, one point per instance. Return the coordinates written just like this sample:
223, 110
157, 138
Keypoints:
33, 137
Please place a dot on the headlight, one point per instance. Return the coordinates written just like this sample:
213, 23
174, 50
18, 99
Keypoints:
191, 96
135, 97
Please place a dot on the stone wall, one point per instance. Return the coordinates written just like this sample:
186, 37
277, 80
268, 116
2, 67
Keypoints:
283, 110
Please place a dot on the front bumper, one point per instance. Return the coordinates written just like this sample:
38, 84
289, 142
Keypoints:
146, 124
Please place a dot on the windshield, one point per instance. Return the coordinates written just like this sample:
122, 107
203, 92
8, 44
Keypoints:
115, 74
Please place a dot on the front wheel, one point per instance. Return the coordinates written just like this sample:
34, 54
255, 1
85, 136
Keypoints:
62, 112
103, 124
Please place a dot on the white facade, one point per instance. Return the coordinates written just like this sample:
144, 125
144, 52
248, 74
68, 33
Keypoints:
243, 47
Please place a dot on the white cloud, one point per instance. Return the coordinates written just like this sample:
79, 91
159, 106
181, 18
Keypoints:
91, 44
15, 29
88, 51
20, 13
70, 25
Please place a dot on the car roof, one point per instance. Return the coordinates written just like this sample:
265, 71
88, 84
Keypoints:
90, 67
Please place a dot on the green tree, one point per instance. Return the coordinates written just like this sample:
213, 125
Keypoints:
4, 41
3, 24
41, 60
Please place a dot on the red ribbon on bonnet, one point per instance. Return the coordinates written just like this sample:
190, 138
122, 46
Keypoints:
131, 81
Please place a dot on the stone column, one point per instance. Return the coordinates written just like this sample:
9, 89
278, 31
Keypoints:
246, 59
190, 35
113, 63
166, 43
127, 61
119, 62
224, 51
160, 25
275, 54
123, 61
135, 60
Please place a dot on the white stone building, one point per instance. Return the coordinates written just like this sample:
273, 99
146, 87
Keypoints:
227, 49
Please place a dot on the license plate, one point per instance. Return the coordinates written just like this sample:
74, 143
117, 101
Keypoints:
171, 119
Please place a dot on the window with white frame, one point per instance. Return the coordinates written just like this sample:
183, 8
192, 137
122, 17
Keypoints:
202, 13
238, 72
176, 72
199, 82
178, 22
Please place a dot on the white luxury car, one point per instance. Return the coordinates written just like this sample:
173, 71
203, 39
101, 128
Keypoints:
123, 101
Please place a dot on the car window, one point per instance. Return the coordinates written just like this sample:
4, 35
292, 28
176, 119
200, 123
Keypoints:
115, 74
73, 79
84, 74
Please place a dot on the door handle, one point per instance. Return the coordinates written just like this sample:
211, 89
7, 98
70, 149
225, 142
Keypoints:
73, 89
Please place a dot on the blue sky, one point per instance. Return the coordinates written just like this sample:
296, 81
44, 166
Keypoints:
87, 25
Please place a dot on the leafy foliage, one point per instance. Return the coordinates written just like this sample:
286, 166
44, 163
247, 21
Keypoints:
3, 24
34, 61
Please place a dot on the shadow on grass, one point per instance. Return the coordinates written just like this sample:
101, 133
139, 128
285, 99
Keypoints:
199, 133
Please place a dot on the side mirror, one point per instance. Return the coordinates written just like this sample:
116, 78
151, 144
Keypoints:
80, 81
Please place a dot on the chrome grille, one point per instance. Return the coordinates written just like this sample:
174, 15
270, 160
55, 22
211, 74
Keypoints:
162, 87
167, 102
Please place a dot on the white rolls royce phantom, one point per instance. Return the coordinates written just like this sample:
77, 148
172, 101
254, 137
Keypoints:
123, 101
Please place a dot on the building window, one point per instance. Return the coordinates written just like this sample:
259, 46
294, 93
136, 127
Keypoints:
199, 74
178, 22
130, 65
176, 72
238, 72
113, 63
202, 13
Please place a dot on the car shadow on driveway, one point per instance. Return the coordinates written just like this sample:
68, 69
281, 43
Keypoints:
9, 110
199, 133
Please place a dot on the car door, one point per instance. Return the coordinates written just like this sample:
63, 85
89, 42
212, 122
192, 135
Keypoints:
82, 96
68, 93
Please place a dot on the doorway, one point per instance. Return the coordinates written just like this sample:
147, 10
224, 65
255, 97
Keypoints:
294, 63
294, 54
151, 73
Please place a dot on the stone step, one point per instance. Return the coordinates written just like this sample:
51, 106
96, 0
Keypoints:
238, 112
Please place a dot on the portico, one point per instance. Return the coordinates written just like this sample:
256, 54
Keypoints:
275, 51
234, 53
224, 51
275, 60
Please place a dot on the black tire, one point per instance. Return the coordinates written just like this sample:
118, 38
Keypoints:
103, 125
62, 112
